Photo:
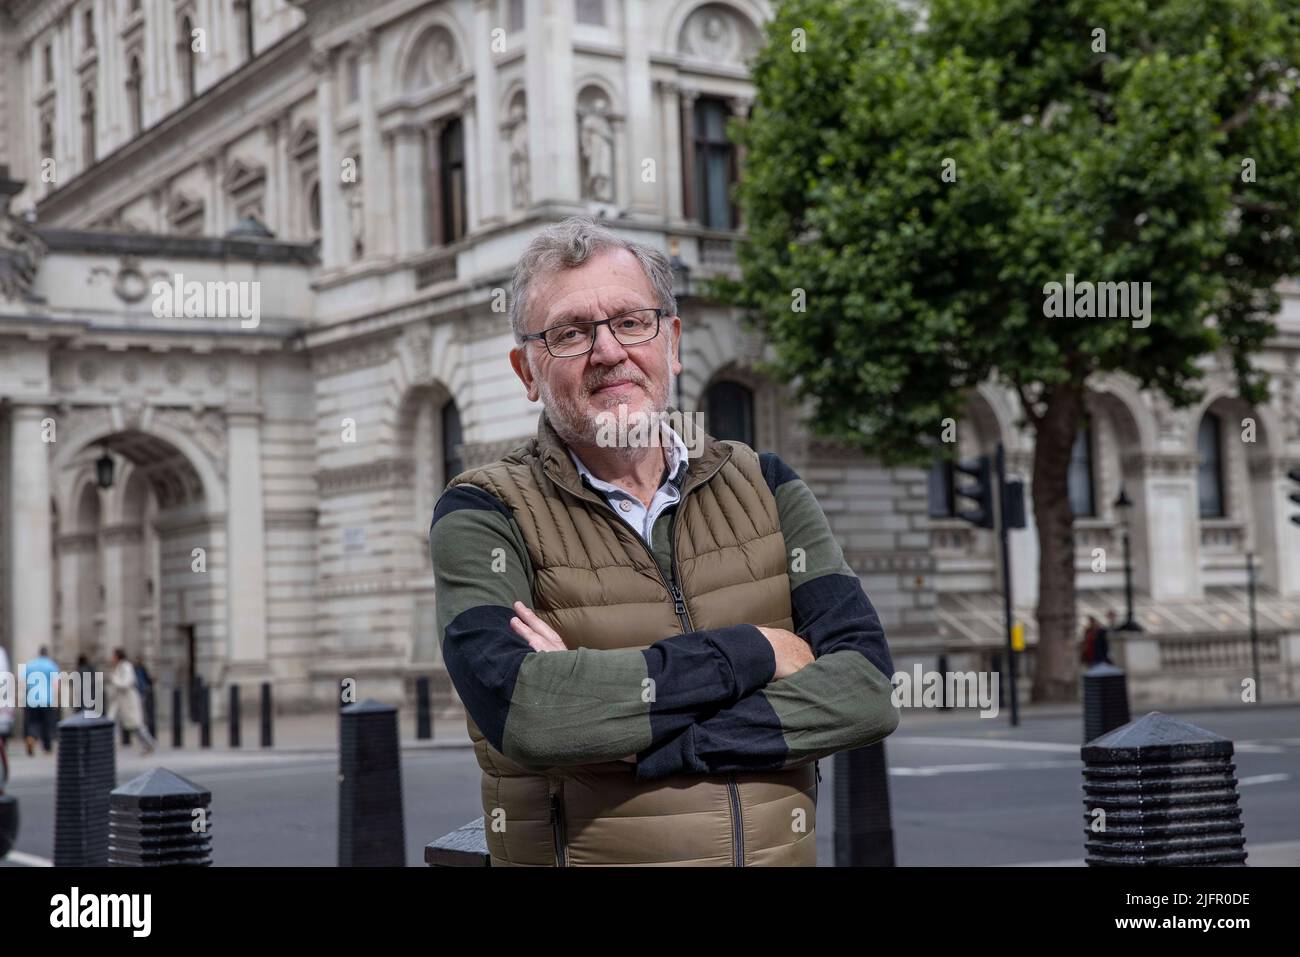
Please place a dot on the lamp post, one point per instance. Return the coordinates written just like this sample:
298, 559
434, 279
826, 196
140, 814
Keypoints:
1123, 505
104, 470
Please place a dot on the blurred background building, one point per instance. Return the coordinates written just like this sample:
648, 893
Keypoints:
251, 503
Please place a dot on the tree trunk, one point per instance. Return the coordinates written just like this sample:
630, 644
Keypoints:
1055, 672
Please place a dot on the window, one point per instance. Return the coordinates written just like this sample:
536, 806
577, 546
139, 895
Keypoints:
135, 95
352, 74
729, 407
187, 63
313, 208
714, 165
452, 465
88, 27
1209, 476
589, 11
451, 156
245, 8
88, 127
941, 486
47, 63
47, 137
514, 15
1080, 476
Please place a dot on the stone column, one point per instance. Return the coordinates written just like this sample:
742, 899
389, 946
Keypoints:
670, 183
29, 521
1164, 529
245, 541
643, 198
332, 244
690, 207
409, 173
552, 116
485, 176
472, 172
275, 181
376, 188
76, 553
214, 211
120, 573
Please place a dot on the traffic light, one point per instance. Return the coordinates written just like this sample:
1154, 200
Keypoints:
1294, 476
981, 492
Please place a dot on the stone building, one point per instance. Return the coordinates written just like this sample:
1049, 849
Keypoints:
248, 497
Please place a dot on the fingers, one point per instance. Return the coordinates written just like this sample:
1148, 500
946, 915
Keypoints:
539, 635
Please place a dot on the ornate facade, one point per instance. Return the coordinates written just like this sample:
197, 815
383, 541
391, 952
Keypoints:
375, 168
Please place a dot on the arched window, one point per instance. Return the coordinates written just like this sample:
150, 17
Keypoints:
1082, 503
1209, 475
88, 127
730, 410
135, 95
313, 208
451, 167
185, 45
452, 465
715, 165
47, 137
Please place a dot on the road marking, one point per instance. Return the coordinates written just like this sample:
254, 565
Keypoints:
27, 860
1254, 747
990, 743
1263, 779
934, 769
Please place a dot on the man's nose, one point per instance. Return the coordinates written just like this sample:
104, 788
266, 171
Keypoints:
607, 350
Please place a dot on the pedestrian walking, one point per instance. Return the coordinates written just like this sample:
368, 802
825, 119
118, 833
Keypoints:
40, 714
1088, 653
126, 707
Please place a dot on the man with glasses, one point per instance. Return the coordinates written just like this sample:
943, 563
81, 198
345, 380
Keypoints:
653, 649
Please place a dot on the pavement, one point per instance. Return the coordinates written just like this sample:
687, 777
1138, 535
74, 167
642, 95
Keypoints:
964, 791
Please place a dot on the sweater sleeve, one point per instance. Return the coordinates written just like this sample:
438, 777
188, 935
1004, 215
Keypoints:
842, 700
582, 706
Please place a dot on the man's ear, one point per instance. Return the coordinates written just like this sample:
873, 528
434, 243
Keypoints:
519, 362
675, 328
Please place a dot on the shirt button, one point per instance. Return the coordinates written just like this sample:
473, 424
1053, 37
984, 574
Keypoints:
625, 505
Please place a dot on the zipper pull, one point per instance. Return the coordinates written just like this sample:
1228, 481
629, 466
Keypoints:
817, 767
680, 606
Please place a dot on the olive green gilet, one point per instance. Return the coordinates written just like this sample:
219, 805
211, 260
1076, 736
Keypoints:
596, 582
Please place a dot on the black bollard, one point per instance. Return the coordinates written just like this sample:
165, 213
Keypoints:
423, 725
1161, 792
196, 699
864, 831
8, 823
1105, 700
86, 772
178, 722
234, 716
371, 831
205, 717
160, 820
266, 714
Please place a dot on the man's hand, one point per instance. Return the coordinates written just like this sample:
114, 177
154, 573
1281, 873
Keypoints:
540, 635
792, 652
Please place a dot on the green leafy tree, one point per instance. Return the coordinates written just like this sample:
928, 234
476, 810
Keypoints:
922, 180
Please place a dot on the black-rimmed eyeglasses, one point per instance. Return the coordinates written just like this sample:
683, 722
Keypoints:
568, 339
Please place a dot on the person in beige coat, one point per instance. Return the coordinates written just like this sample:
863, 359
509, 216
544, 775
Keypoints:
127, 708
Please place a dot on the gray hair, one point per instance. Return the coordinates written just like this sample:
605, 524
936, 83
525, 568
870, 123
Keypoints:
569, 244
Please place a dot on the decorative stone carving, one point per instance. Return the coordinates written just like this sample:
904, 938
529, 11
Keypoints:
368, 476
434, 62
517, 137
718, 34
21, 250
130, 283
206, 429
596, 146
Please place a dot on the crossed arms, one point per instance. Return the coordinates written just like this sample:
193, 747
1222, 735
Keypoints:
716, 704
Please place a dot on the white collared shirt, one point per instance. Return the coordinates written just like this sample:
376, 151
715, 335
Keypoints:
630, 508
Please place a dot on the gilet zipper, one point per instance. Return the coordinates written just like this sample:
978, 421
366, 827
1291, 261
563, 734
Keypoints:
557, 825
737, 823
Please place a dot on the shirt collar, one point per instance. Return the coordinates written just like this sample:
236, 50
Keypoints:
677, 457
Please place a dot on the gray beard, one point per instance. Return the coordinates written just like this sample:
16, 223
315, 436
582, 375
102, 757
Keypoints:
575, 427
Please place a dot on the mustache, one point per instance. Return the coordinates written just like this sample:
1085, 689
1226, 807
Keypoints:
612, 379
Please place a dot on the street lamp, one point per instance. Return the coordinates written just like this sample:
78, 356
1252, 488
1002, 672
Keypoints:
1123, 504
104, 470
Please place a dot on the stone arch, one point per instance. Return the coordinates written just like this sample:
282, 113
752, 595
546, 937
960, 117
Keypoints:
741, 16
431, 55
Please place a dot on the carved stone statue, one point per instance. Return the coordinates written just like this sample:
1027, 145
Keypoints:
596, 139
21, 250
519, 172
